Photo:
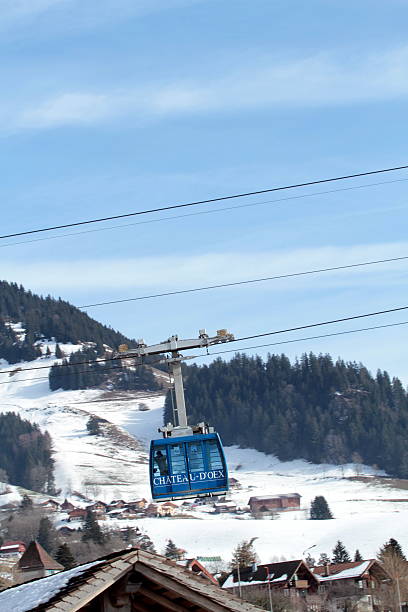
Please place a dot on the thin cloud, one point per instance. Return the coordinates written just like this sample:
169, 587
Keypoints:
179, 272
15, 10
68, 109
308, 82
79, 14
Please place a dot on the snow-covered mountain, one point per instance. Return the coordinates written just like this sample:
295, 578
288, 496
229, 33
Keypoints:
368, 510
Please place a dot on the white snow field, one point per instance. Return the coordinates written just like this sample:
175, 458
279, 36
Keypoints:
367, 512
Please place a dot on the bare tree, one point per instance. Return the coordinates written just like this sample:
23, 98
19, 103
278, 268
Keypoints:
397, 590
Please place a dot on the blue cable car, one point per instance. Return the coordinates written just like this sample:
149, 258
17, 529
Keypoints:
187, 461
187, 466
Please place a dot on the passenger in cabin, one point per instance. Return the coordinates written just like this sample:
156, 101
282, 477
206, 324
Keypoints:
161, 461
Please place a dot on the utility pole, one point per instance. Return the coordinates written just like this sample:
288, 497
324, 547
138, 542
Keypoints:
172, 346
269, 576
239, 581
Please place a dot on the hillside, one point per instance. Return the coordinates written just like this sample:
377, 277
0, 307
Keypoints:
314, 409
45, 318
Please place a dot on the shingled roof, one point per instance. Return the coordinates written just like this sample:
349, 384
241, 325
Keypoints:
151, 581
352, 569
35, 558
275, 573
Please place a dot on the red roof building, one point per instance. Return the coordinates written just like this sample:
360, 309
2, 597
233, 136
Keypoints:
79, 514
35, 563
12, 548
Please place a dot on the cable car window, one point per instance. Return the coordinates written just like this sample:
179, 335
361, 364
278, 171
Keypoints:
213, 455
160, 462
195, 457
177, 458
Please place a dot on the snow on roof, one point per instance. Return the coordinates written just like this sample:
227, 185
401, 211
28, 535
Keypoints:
274, 496
351, 572
229, 583
27, 596
11, 546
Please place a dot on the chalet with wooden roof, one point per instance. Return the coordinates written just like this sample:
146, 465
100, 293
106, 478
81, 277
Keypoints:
99, 509
137, 504
294, 578
274, 503
357, 581
126, 581
50, 504
12, 549
78, 514
35, 563
66, 506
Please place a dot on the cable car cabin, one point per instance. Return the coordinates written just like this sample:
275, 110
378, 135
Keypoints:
188, 466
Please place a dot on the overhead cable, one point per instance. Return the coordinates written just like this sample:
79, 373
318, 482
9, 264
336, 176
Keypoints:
204, 212
342, 333
247, 282
239, 349
270, 333
208, 201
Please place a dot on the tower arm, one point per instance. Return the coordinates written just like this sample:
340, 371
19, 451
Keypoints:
174, 344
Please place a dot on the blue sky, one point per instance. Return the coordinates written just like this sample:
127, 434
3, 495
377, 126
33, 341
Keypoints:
119, 105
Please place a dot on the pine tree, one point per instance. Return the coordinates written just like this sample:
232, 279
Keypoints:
26, 503
47, 535
65, 557
48, 351
357, 556
171, 551
310, 561
340, 554
391, 549
244, 554
319, 509
58, 352
93, 426
91, 530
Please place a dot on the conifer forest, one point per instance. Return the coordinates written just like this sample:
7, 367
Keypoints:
315, 409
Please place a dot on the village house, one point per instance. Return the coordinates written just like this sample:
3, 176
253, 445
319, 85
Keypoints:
35, 563
51, 505
66, 506
66, 531
124, 581
359, 583
292, 578
77, 515
264, 504
234, 483
151, 510
12, 549
98, 508
167, 509
138, 504
116, 504
225, 507
127, 513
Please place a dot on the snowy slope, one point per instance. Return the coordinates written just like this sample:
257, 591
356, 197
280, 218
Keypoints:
115, 466
101, 467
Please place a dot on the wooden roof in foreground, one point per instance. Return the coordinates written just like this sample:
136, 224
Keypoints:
146, 582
